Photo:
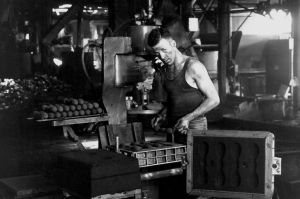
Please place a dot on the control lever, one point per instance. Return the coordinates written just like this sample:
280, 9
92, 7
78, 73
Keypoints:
117, 145
169, 131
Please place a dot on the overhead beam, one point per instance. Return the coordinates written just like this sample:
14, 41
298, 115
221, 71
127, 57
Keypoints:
66, 18
79, 35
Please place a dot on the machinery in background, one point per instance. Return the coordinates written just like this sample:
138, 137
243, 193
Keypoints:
271, 91
279, 64
123, 69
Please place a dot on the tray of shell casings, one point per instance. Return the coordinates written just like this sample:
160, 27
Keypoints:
155, 152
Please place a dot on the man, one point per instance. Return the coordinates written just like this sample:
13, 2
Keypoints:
183, 85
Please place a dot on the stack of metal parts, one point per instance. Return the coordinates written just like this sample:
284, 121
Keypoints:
155, 152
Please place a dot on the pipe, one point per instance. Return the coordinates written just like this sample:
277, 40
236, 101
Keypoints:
79, 28
150, 9
161, 174
296, 57
117, 145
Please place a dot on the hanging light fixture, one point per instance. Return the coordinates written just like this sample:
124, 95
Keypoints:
275, 11
263, 8
278, 12
58, 62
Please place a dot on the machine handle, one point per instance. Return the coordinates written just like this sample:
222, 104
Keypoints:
161, 174
117, 145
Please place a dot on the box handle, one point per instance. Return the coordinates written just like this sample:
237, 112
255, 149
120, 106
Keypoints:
276, 166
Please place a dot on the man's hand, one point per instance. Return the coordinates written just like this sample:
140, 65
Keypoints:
156, 122
182, 126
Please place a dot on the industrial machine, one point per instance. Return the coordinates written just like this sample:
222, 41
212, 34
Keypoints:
122, 70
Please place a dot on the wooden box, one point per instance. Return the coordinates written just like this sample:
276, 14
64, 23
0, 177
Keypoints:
92, 173
230, 164
29, 187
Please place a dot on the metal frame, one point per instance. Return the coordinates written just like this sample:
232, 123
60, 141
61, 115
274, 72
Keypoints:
269, 152
54, 30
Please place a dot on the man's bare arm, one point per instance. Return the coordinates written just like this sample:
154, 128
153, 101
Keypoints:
200, 76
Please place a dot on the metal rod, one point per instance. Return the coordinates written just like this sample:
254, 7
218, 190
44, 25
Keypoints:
206, 9
197, 33
79, 17
61, 23
296, 63
230, 11
150, 9
243, 22
238, 4
291, 51
242, 10
161, 174
117, 145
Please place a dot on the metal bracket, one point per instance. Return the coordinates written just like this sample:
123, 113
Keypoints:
184, 162
70, 133
276, 166
54, 30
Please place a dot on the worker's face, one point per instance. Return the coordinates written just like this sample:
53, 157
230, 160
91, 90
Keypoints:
166, 50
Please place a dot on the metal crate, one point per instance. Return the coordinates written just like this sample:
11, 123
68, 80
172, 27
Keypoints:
155, 152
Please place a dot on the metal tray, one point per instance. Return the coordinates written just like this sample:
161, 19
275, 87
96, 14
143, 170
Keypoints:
75, 120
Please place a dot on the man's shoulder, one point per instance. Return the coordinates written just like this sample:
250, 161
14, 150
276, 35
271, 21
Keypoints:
194, 65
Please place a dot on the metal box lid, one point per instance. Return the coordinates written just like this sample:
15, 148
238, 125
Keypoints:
97, 164
230, 164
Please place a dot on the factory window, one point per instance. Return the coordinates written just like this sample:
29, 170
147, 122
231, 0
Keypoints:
277, 23
257, 53
88, 10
